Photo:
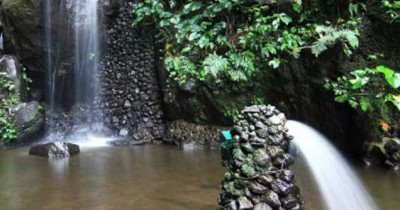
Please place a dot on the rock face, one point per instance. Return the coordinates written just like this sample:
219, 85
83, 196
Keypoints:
54, 150
22, 23
183, 133
130, 99
258, 176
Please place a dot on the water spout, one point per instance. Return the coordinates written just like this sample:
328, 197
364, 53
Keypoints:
337, 182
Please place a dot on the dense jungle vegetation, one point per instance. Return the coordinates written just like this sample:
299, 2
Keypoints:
229, 43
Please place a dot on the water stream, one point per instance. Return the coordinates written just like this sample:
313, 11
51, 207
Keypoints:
337, 183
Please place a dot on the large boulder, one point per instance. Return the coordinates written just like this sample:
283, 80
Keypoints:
29, 118
54, 150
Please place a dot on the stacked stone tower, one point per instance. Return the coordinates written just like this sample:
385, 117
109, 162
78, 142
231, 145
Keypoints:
258, 161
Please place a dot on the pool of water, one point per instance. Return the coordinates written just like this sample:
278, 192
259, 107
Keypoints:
140, 178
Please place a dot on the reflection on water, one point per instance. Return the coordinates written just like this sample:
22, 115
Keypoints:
141, 178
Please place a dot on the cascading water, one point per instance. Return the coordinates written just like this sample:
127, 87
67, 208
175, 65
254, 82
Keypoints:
82, 19
86, 50
339, 185
50, 86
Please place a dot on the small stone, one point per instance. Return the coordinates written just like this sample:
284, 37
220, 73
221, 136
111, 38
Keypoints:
282, 187
273, 200
124, 132
287, 176
266, 179
274, 151
247, 170
259, 124
262, 133
246, 147
275, 120
261, 158
289, 202
262, 206
258, 188
127, 104
244, 203
258, 142
238, 154
232, 205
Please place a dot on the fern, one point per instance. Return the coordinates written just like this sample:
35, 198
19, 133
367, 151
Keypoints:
329, 36
213, 64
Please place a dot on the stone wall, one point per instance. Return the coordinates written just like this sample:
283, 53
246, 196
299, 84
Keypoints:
190, 135
130, 97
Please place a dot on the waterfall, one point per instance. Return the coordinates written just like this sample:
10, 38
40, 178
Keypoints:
50, 74
72, 51
337, 182
86, 51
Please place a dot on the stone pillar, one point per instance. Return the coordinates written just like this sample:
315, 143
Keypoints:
258, 163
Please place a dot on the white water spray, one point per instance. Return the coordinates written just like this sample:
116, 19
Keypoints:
86, 14
337, 182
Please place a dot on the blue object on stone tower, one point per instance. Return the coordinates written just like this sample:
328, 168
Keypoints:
227, 135
226, 139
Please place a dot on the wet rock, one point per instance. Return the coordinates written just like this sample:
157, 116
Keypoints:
54, 150
247, 170
261, 158
244, 203
289, 202
124, 132
29, 118
258, 188
392, 147
287, 176
282, 187
262, 206
272, 199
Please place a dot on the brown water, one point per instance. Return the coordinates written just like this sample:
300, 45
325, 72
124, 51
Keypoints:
139, 178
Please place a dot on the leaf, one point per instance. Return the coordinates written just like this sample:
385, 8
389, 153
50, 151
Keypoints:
285, 19
193, 6
274, 63
317, 48
391, 76
395, 99
360, 79
193, 36
351, 38
341, 98
365, 104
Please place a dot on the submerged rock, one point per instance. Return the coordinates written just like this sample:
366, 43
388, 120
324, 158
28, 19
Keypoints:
55, 150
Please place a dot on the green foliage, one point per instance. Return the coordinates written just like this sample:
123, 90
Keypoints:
9, 98
372, 90
330, 36
392, 8
228, 41
225, 44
